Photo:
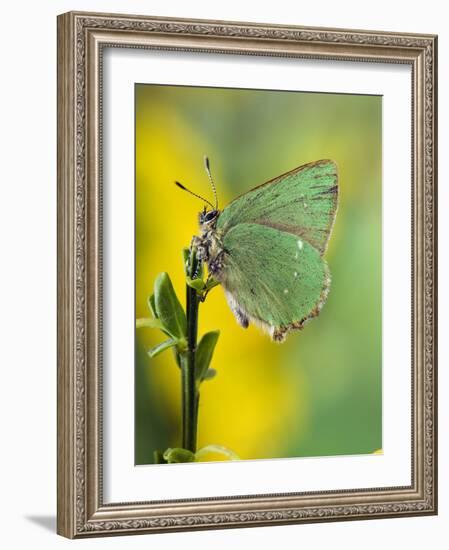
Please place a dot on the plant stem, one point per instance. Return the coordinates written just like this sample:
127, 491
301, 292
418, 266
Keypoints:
190, 394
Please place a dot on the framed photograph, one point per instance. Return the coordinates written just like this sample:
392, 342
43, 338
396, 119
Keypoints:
247, 281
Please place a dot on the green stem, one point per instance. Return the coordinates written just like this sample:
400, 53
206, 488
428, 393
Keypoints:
190, 394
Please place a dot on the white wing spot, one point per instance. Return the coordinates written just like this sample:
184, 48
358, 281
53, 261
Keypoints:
295, 274
300, 246
285, 290
305, 205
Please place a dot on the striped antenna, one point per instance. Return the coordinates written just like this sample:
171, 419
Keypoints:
209, 175
192, 193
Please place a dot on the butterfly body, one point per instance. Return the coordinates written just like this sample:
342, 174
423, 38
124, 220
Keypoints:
266, 248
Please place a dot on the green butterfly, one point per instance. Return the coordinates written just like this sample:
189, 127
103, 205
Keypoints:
266, 247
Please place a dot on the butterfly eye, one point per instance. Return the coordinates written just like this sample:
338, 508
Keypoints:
210, 216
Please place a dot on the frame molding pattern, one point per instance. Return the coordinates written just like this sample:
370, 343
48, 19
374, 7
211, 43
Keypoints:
81, 511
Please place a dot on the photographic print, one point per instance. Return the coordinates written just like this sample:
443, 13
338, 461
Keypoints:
258, 274
247, 283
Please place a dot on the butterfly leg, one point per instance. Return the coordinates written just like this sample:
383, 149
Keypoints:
198, 244
216, 264
209, 285
197, 270
206, 292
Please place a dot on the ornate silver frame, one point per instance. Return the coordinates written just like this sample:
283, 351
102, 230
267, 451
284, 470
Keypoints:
81, 39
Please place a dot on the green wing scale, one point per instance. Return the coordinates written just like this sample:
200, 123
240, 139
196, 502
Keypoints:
276, 279
302, 202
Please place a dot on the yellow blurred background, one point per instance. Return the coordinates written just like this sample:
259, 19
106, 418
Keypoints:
319, 393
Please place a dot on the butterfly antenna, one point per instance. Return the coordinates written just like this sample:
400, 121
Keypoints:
192, 193
209, 175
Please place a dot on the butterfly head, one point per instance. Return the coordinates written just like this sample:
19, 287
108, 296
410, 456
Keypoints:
208, 218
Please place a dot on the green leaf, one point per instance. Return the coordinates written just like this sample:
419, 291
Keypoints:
148, 323
204, 354
177, 455
197, 284
211, 373
152, 306
156, 350
227, 454
158, 458
186, 259
168, 308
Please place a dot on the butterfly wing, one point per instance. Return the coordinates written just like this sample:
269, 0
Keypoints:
272, 277
302, 202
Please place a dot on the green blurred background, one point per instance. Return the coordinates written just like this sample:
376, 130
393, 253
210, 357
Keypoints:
320, 392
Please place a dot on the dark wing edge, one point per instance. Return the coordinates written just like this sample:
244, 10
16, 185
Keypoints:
279, 334
336, 197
